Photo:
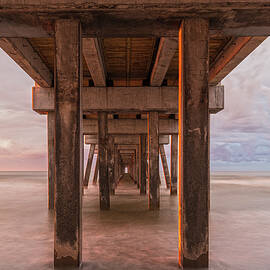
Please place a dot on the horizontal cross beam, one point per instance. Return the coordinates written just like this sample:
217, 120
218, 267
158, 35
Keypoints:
130, 126
117, 99
125, 139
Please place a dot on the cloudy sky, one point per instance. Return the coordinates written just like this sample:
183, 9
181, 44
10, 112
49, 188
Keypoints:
240, 135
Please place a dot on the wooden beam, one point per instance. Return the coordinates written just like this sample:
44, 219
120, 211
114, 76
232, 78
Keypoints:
118, 5
125, 139
130, 126
216, 99
231, 56
22, 52
96, 171
164, 165
89, 165
132, 19
115, 99
14, 26
127, 151
94, 60
166, 51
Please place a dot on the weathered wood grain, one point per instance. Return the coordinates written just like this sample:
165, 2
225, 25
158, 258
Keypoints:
174, 164
166, 51
153, 162
51, 159
104, 184
164, 165
89, 165
68, 140
195, 145
94, 60
22, 52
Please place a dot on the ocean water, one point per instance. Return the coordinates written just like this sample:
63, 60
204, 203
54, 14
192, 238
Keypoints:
131, 237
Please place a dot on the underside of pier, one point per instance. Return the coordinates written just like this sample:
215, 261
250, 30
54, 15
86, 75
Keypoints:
129, 78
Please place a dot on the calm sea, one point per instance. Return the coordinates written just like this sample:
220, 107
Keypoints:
239, 225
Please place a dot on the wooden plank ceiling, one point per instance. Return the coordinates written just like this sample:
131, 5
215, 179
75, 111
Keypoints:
128, 61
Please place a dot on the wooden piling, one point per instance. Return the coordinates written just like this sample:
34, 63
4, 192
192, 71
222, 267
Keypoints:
116, 165
194, 125
68, 140
153, 162
143, 144
174, 164
110, 152
51, 159
104, 184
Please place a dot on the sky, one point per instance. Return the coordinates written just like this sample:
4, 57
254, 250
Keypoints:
239, 135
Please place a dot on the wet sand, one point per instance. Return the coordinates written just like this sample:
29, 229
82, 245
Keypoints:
131, 237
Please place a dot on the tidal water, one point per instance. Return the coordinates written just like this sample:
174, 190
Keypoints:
130, 237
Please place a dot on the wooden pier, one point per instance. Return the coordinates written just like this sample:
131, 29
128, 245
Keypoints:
128, 77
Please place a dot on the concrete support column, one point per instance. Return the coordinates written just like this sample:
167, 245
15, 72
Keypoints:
164, 165
104, 184
68, 143
153, 161
51, 160
89, 165
194, 154
174, 164
111, 164
143, 162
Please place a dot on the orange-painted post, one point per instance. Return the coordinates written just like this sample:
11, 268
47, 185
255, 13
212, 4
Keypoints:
194, 144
